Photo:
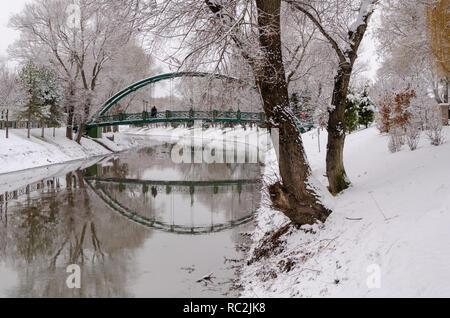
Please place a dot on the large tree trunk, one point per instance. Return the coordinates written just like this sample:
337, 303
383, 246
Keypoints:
81, 128
43, 129
293, 196
87, 110
446, 90
336, 174
69, 128
70, 109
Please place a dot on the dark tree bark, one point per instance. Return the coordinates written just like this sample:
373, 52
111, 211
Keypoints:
292, 196
82, 126
29, 126
445, 91
43, 129
69, 128
70, 108
7, 123
337, 177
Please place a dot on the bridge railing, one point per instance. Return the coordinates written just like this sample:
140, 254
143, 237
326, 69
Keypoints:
187, 116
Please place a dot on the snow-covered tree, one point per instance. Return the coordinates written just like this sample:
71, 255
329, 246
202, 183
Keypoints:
28, 102
406, 44
80, 38
366, 109
344, 31
211, 35
438, 34
301, 103
39, 96
130, 64
217, 94
52, 98
7, 90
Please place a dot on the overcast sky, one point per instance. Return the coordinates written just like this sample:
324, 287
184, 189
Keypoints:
8, 36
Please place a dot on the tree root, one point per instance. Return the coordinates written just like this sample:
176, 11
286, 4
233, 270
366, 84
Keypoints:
301, 211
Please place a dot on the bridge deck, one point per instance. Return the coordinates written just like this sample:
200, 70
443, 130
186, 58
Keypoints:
184, 116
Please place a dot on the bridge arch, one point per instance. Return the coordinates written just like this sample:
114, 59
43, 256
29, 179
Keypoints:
151, 80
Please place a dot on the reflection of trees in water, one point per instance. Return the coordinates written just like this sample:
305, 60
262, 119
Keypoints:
44, 234
71, 224
134, 164
116, 168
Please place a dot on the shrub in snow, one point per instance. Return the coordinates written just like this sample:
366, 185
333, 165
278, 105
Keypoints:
384, 114
396, 140
412, 136
402, 116
395, 110
434, 127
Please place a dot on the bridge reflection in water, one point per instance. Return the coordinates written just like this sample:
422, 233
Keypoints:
212, 203
58, 220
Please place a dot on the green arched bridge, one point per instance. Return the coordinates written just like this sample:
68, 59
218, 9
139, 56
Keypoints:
101, 119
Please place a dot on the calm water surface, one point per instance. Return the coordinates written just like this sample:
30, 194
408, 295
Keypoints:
136, 223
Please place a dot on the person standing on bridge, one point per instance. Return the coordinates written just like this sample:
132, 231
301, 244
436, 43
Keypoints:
154, 111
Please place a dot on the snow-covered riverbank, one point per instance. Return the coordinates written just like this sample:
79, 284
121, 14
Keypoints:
388, 235
20, 153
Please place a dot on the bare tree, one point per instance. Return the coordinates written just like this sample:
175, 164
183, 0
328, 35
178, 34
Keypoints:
129, 65
80, 44
321, 13
406, 41
7, 86
210, 34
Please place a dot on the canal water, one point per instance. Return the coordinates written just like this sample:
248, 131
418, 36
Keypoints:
137, 224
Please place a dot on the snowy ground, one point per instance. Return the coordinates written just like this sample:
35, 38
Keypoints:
388, 235
19, 153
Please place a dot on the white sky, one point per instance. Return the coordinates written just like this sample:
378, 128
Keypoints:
8, 36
